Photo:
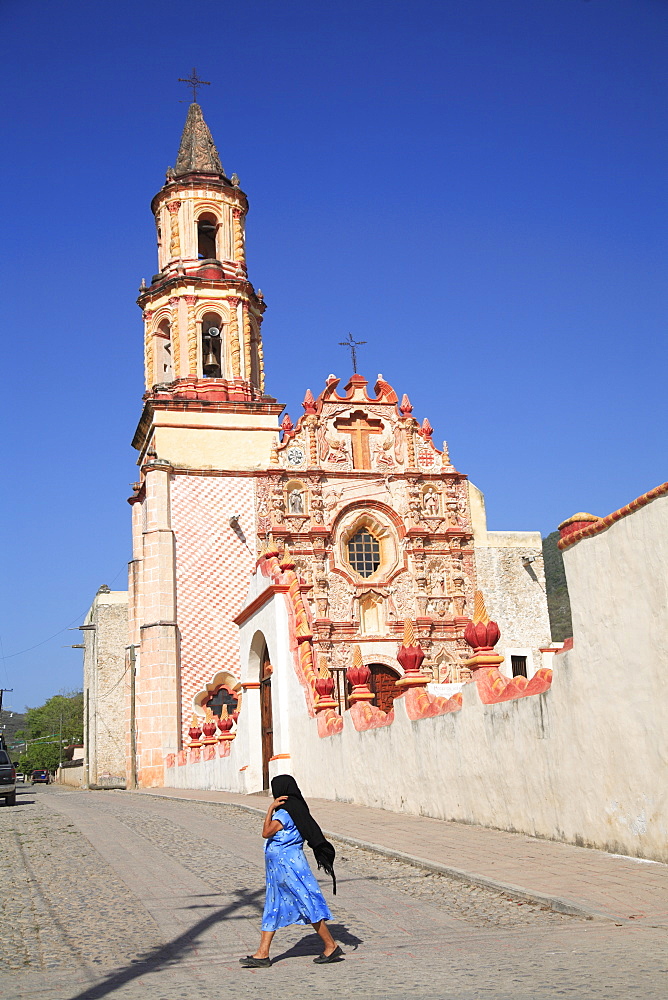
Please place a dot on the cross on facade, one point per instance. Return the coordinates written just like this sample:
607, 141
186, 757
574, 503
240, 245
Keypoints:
351, 345
194, 82
360, 427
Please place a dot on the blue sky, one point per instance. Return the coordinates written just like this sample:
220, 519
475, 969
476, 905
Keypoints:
474, 187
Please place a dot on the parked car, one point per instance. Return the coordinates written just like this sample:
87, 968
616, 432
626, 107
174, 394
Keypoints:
40, 774
7, 779
20, 776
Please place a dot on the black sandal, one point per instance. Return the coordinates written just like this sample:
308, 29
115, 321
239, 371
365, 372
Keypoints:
250, 962
336, 956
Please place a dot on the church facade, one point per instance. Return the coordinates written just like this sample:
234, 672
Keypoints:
369, 519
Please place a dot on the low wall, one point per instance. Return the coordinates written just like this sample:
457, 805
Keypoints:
72, 776
537, 765
583, 762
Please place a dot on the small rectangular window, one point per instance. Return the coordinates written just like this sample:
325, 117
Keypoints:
519, 666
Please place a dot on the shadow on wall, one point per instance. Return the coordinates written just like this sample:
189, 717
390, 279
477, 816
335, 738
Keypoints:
558, 601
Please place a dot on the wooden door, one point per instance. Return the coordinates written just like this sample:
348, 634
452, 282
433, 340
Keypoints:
266, 717
383, 684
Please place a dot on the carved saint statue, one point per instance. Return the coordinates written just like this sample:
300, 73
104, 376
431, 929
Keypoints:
295, 502
381, 454
430, 502
277, 508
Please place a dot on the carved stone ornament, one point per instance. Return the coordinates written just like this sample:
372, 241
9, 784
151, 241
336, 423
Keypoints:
295, 455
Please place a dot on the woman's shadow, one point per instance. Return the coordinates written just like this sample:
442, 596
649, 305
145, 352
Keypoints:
311, 944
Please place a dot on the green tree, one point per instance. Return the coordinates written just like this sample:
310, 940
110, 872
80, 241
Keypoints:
39, 755
62, 713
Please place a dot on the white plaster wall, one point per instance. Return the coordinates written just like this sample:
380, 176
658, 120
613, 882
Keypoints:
242, 770
584, 763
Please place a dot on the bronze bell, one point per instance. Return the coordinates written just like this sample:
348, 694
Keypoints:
210, 362
211, 365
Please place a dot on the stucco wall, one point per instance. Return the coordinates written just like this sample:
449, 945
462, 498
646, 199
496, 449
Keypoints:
104, 669
510, 573
585, 762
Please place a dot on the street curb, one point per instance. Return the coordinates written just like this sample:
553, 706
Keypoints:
556, 903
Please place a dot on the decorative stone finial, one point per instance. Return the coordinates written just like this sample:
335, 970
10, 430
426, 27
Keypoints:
225, 723
410, 656
406, 406
309, 402
324, 687
287, 562
482, 635
479, 609
359, 676
409, 633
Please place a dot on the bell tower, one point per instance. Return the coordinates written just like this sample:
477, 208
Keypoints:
207, 431
202, 316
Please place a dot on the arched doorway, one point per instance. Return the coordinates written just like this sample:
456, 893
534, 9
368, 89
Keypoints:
266, 718
383, 684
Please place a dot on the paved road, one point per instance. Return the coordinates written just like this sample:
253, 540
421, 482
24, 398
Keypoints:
107, 894
575, 879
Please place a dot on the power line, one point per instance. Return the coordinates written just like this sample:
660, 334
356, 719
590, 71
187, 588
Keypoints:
29, 649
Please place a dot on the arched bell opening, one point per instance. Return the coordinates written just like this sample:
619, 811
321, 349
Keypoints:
207, 229
212, 349
164, 370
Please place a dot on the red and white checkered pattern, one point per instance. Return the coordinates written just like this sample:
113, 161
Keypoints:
213, 569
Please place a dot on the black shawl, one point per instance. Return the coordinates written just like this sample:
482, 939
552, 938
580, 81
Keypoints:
285, 784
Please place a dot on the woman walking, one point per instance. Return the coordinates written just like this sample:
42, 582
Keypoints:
293, 895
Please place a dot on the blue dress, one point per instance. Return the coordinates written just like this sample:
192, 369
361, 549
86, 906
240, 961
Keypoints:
293, 895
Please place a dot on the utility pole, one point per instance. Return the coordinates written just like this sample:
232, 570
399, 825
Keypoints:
3, 743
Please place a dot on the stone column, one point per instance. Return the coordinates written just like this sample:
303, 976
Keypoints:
148, 348
247, 343
260, 355
238, 238
134, 632
235, 348
191, 301
175, 334
174, 238
158, 685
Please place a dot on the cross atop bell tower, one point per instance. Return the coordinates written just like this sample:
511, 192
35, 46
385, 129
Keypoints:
202, 315
194, 83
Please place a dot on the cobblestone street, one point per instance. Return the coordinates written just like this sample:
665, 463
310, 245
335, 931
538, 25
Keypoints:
109, 894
